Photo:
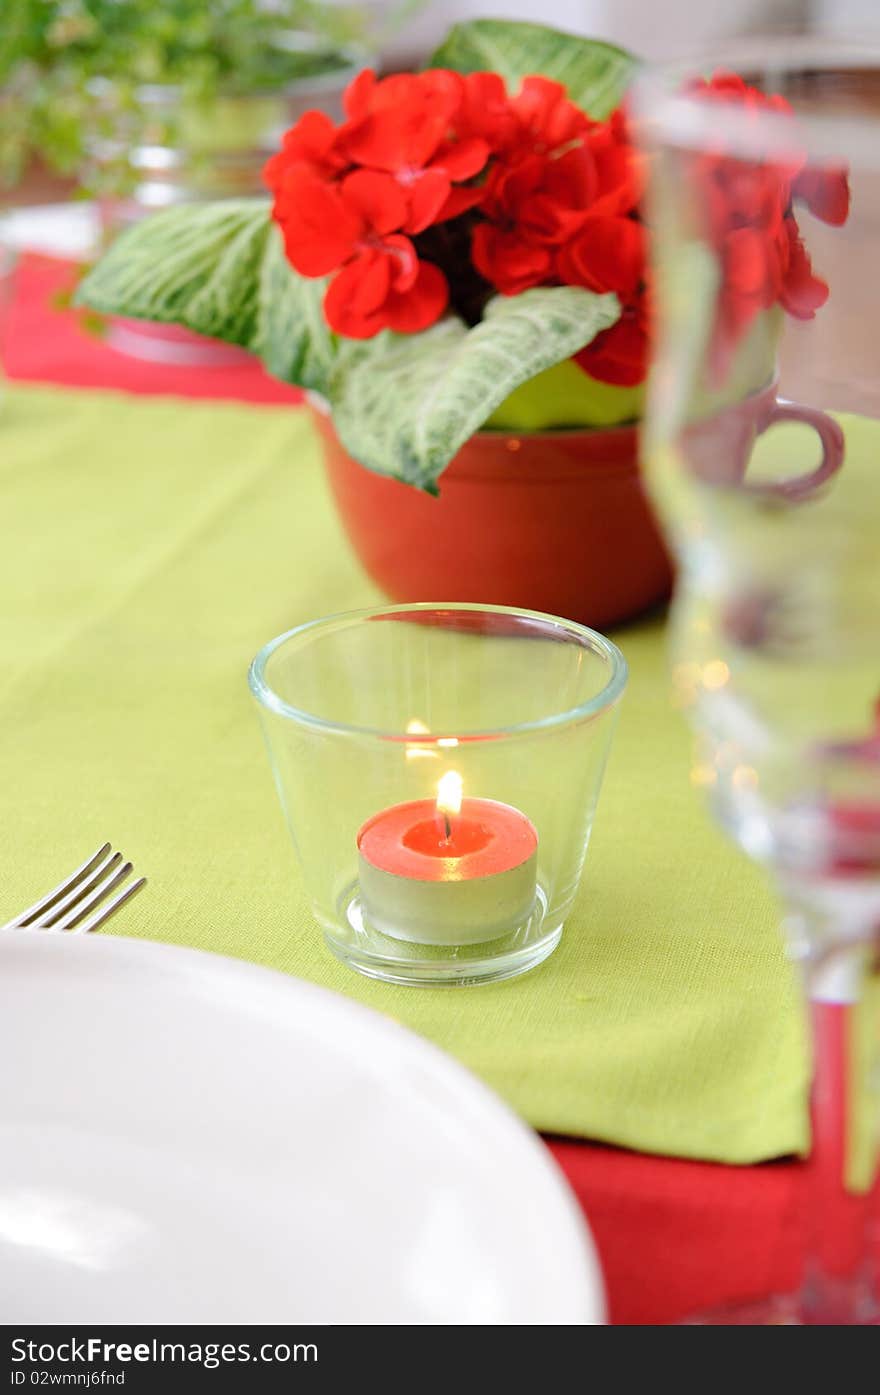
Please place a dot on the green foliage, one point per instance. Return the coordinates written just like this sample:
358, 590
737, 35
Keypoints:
53, 51
403, 405
595, 74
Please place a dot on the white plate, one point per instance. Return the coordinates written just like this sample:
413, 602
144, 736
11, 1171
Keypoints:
187, 1138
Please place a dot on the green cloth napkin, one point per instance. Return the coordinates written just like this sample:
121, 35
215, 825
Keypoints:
149, 548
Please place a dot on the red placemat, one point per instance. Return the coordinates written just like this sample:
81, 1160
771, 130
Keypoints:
48, 344
676, 1238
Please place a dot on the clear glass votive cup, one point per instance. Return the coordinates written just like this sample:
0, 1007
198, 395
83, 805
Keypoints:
439, 767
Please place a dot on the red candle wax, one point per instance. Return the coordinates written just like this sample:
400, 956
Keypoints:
470, 884
485, 838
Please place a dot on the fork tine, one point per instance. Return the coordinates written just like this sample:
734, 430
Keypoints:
104, 912
58, 912
46, 901
110, 879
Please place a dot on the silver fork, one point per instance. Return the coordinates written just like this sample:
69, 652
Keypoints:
79, 903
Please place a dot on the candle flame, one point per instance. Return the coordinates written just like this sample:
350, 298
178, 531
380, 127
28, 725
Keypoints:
449, 789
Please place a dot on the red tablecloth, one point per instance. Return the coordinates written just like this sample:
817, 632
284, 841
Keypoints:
43, 343
674, 1237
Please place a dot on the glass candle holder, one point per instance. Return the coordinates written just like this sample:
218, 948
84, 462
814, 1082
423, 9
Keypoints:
439, 768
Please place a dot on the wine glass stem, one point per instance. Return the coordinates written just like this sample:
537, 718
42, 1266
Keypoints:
840, 1276
838, 1280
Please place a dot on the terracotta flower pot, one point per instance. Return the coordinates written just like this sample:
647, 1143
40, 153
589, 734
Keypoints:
554, 521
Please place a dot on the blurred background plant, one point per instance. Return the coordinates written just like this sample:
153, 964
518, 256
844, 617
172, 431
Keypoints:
84, 80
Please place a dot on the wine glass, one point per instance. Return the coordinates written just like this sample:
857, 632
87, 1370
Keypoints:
762, 447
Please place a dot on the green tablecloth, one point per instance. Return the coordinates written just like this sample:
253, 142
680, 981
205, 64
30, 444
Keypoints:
149, 548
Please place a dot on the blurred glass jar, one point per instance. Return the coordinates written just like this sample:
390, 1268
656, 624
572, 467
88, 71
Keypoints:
156, 147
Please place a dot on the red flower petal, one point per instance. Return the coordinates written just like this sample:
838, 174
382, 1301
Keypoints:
314, 133
748, 218
377, 199
312, 141
486, 112
459, 201
408, 117
426, 196
572, 180
358, 93
722, 83
511, 186
730, 87
365, 281
546, 115
749, 263
403, 262
462, 159
544, 220
422, 305
620, 173
618, 355
535, 200
354, 301
825, 192
609, 254
353, 308
507, 261
320, 231
803, 293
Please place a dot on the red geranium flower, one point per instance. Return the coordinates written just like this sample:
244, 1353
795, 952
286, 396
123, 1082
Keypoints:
540, 195
540, 205
619, 355
730, 87
546, 120
354, 225
315, 142
385, 286
320, 229
530, 208
750, 221
825, 192
803, 292
609, 255
402, 127
486, 111
761, 267
619, 166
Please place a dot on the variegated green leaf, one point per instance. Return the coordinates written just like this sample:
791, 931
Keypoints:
595, 74
292, 336
218, 269
404, 404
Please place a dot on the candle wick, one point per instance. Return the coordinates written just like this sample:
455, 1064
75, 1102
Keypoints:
447, 825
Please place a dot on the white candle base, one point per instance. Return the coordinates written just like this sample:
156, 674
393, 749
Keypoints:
447, 913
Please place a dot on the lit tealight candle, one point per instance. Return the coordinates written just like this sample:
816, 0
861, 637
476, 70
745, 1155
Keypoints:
450, 871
